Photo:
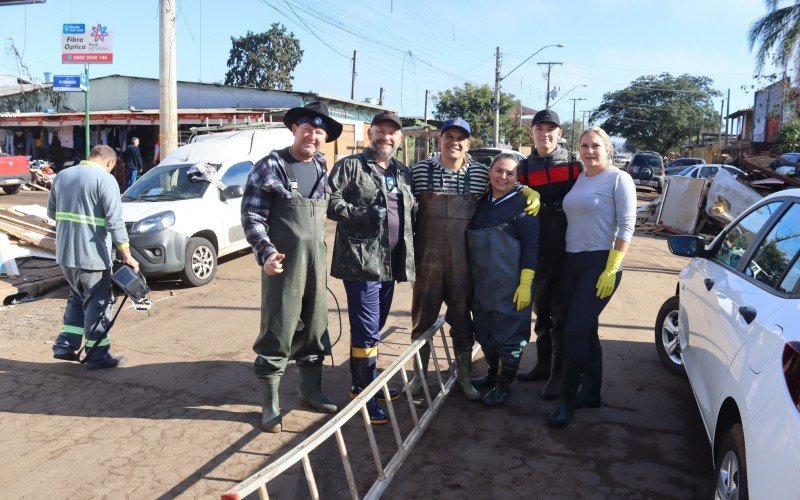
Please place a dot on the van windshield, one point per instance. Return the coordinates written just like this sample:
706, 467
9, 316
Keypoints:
167, 182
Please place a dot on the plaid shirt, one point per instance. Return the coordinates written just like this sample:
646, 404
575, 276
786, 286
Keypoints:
267, 180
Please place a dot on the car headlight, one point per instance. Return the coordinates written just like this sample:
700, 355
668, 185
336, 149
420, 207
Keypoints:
155, 222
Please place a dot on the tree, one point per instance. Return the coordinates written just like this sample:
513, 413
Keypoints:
777, 35
264, 60
474, 104
789, 136
659, 112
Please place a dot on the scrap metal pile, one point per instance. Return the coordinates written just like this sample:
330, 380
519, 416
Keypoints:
704, 206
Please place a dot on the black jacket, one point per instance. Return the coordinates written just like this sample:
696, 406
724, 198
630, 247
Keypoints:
552, 176
132, 157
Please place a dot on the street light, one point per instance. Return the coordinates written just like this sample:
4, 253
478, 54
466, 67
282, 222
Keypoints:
498, 79
568, 91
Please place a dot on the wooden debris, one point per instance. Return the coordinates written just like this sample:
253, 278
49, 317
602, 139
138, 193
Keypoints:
36, 277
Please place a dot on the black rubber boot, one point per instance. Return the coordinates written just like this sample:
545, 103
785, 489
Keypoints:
541, 371
311, 388
553, 387
271, 412
562, 415
416, 383
490, 379
589, 393
502, 390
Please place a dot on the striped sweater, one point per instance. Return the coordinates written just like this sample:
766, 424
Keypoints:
431, 176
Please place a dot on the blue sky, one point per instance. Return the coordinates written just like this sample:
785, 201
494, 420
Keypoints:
409, 46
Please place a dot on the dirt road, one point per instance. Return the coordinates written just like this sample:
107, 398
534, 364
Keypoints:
180, 419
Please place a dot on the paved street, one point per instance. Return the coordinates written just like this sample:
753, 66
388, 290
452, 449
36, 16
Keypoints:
180, 419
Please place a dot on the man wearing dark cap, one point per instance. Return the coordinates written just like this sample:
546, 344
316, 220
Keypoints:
552, 171
283, 212
371, 202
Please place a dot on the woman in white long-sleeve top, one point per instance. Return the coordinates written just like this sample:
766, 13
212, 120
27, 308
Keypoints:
601, 213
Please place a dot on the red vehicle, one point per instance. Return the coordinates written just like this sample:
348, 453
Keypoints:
14, 172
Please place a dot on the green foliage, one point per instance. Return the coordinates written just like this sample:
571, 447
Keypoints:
789, 137
777, 35
264, 60
660, 112
474, 104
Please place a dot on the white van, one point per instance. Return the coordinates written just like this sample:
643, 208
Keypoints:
179, 224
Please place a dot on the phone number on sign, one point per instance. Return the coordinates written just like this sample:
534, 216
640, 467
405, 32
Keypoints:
81, 58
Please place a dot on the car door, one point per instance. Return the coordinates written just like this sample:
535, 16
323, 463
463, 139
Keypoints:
231, 208
712, 294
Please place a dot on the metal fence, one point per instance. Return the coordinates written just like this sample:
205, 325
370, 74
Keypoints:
333, 428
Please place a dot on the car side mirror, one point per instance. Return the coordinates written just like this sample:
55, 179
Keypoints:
235, 191
687, 246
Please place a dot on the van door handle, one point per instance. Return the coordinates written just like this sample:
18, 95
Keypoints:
748, 313
709, 283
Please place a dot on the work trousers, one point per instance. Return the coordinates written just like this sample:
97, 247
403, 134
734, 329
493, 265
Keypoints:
87, 311
549, 301
581, 336
368, 305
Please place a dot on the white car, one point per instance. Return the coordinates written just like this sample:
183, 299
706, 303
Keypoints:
734, 330
179, 224
705, 171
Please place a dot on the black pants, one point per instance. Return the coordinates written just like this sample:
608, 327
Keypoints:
549, 303
581, 337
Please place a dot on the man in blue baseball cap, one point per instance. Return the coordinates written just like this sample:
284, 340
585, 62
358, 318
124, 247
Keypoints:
447, 188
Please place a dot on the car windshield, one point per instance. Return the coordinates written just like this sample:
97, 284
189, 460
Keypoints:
167, 182
686, 171
647, 160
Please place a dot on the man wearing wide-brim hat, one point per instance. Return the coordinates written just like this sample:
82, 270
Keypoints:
283, 212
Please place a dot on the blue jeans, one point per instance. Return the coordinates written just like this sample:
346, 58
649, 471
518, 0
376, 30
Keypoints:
368, 304
130, 177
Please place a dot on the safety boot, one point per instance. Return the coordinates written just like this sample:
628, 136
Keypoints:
105, 362
589, 393
553, 387
416, 383
490, 379
271, 412
311, 389
502, 390
541, 371
563, 414
463, 363
376, 414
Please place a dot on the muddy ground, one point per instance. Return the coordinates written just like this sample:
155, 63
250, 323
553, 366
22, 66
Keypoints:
181, 417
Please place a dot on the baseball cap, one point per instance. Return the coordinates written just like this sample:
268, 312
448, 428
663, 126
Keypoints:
546, 115
457, 123
387, 116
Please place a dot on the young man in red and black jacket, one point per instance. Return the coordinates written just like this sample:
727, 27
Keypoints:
551, 170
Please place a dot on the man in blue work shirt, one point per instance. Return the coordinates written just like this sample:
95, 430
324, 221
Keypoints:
86, 205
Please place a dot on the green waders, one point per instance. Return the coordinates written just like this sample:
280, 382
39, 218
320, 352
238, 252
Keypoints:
500, 329
294, 308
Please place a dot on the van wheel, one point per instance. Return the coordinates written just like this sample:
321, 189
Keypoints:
666, 333
12, 189
731, 469
200, 262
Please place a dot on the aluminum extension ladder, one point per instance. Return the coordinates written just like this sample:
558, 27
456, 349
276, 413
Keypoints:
258, 481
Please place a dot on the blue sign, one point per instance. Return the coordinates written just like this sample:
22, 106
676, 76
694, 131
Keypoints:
74, 29
70, 83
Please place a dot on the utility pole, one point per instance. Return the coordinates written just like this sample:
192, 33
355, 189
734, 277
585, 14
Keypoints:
168, 83
574, 102
380, 97
353, 84
549, 66
497, 99
425, 116
583, 118
719, 133
727, 121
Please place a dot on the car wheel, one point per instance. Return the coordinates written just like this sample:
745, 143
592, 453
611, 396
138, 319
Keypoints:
731, 469
12, 189
667, 344
200, 262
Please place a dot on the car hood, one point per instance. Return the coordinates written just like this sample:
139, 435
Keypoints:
133, 211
